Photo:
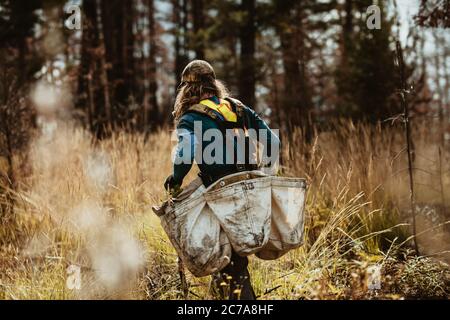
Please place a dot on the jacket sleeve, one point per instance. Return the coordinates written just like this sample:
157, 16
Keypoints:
268, 137
184, 154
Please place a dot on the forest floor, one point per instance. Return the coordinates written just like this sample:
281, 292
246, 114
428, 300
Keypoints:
79, 224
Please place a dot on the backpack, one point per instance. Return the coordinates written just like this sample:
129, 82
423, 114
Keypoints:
243, 122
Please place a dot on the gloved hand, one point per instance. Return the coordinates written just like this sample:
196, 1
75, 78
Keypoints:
170, 183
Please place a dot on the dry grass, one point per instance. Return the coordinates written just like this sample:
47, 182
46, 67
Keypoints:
88, 205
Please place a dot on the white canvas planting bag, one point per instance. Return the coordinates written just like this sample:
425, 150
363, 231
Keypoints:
287, 218
194, 231
248, 211
241, 202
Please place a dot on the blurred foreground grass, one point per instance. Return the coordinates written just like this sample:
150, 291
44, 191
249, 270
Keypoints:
79, 224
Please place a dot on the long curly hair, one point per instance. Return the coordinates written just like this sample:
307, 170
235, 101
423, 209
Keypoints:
198, 80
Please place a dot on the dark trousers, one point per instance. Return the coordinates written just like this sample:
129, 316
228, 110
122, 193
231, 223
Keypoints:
234, 280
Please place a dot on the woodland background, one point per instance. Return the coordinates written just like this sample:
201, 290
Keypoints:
85, 123
299, 62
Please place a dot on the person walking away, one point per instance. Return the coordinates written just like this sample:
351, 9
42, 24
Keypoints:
203, 100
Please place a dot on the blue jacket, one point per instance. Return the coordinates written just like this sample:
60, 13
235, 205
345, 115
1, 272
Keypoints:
187, 135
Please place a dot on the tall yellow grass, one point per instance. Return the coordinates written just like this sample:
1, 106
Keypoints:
85, 206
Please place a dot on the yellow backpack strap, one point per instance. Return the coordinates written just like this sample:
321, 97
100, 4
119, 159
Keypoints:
239, 108
224, 108
201, 108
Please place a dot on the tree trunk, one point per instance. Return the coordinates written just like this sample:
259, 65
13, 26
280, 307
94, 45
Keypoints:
198, 18
117, 19
439, 90
180, 29
87, 74
446, 90
247, 60
152, 77
103, 69
296, 96
348, 26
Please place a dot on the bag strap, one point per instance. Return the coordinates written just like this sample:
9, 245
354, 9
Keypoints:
202, 109
239, 109
223, 124
223, 107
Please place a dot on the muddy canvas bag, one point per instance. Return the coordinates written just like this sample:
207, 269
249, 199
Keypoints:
242, 204
194, 231
288, 197
249, 211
